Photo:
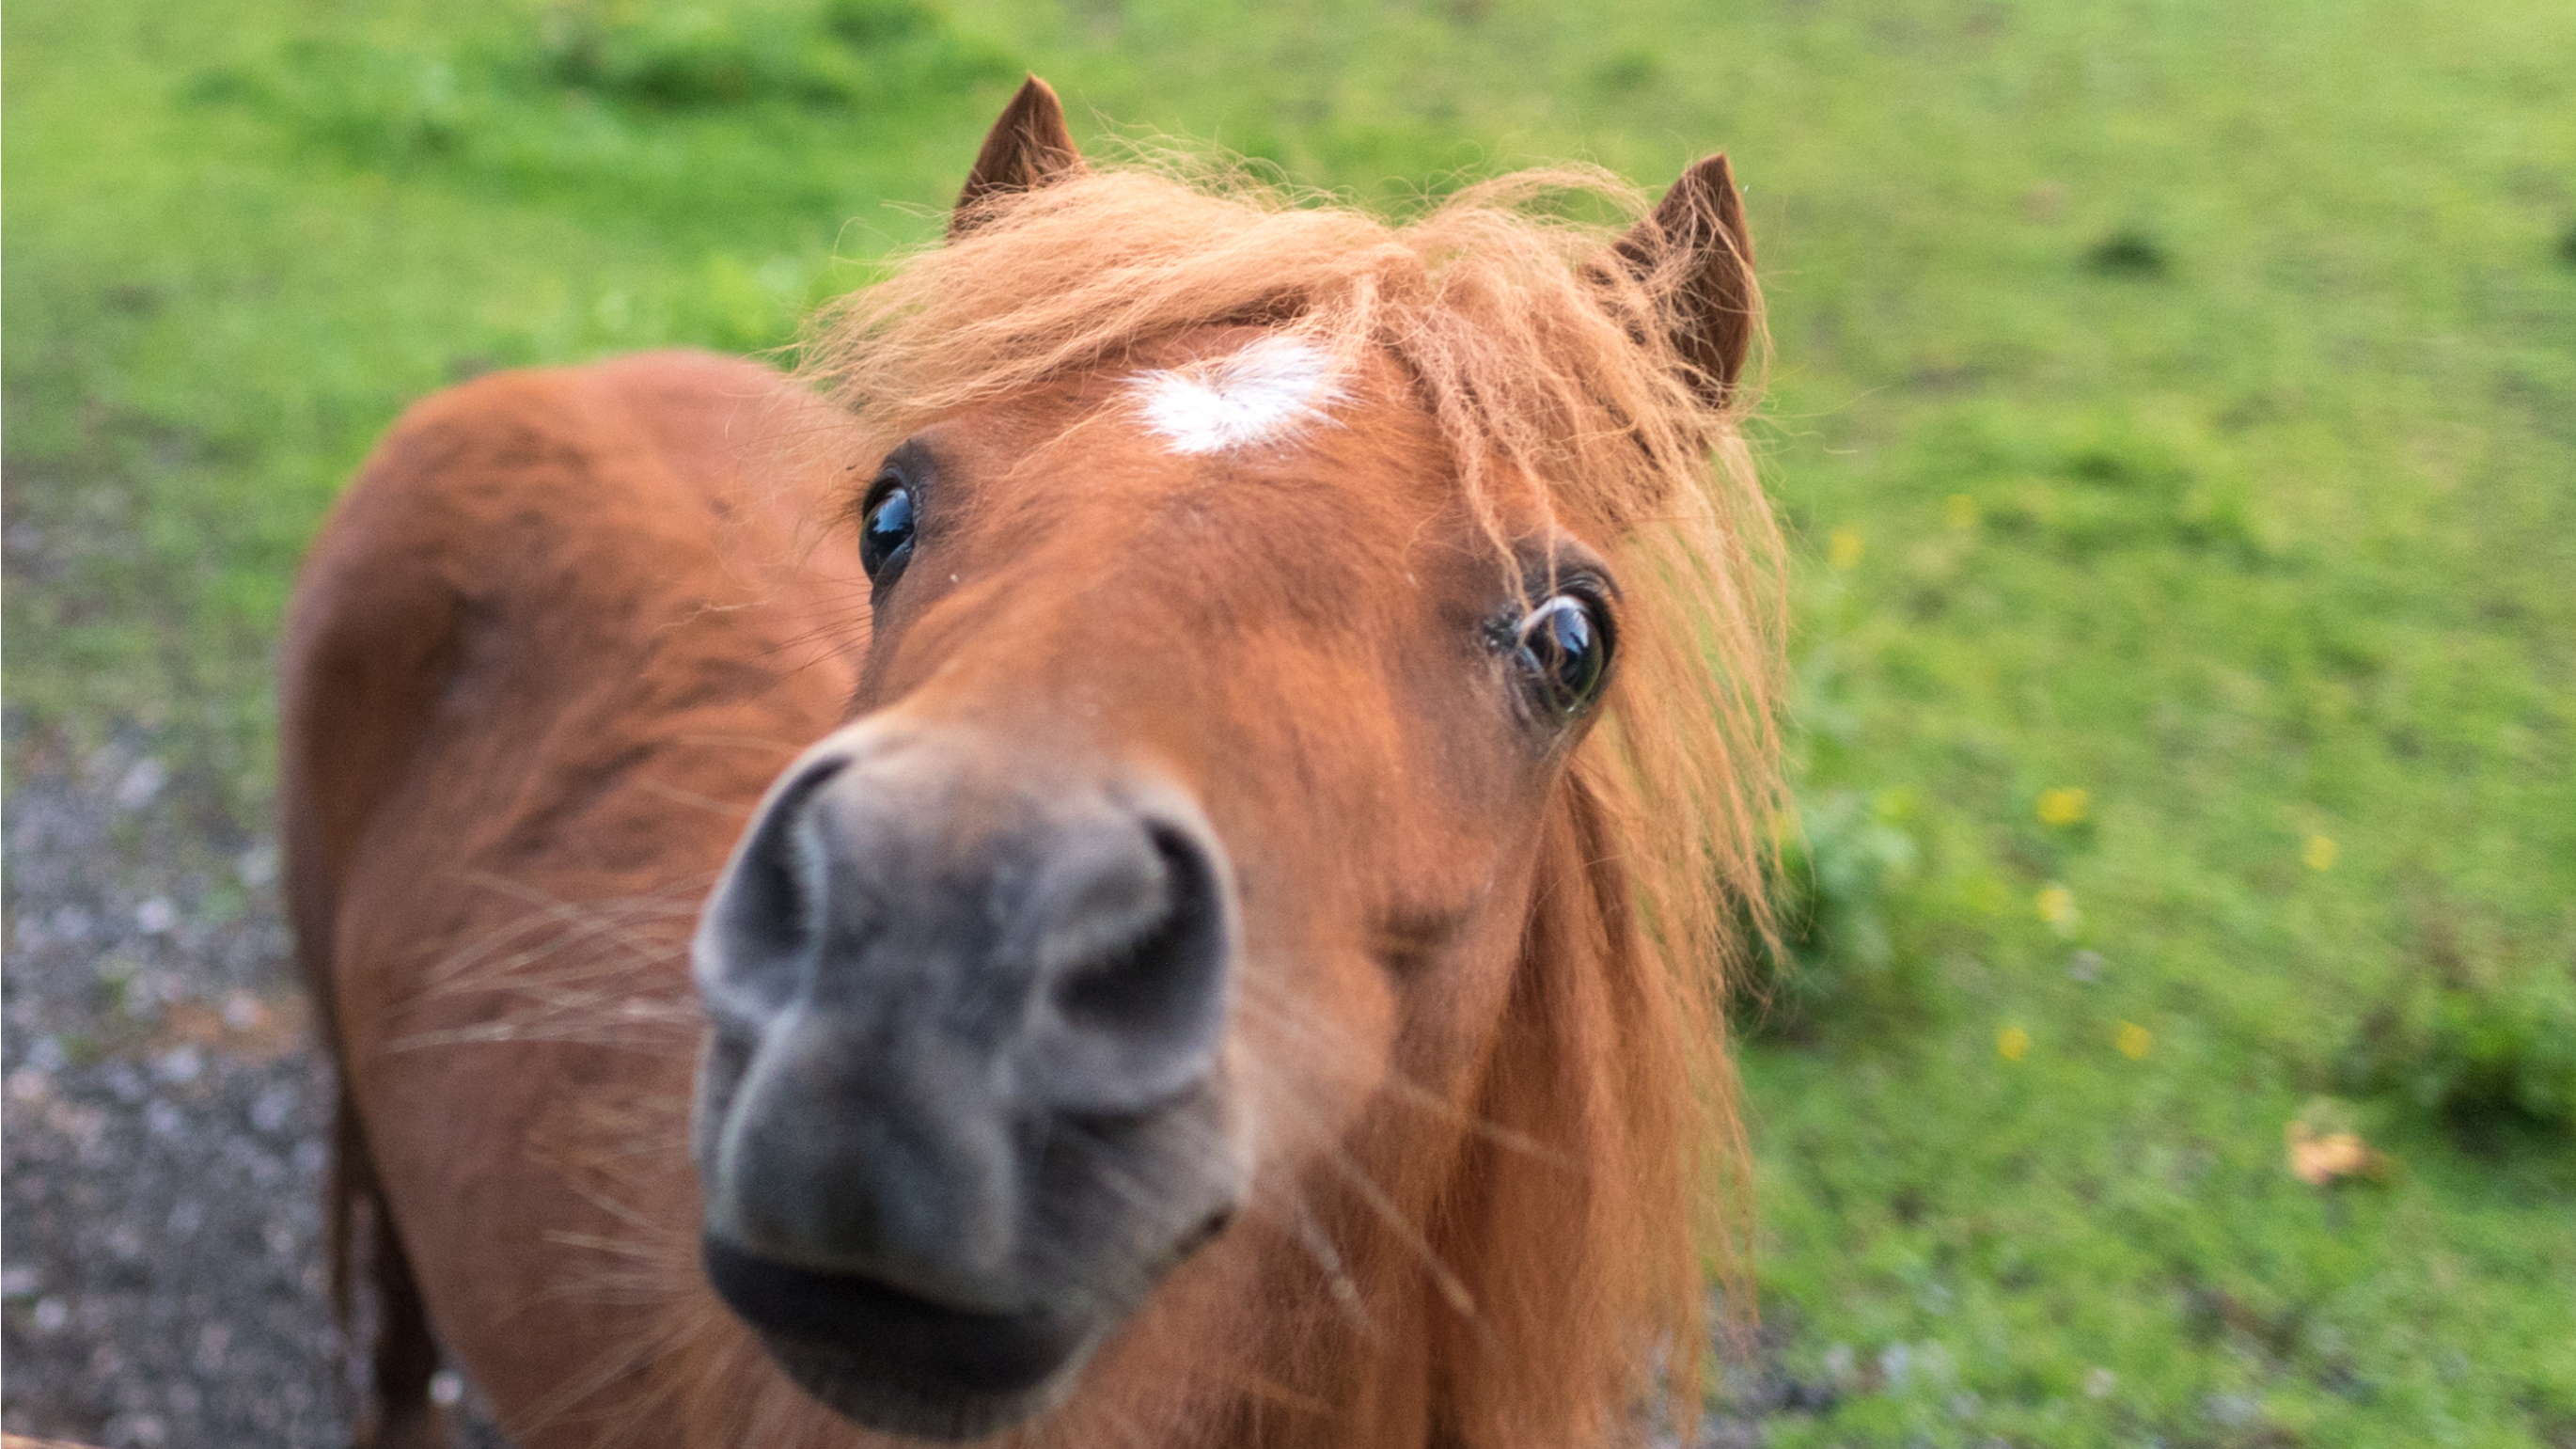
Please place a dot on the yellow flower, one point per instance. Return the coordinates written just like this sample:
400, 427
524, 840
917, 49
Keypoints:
2011, 1043
1960, 512
2320, 853
2064, 807
2057, 907
1845, 548
2136, 1041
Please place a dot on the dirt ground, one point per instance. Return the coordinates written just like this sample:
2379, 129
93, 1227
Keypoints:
162, 1113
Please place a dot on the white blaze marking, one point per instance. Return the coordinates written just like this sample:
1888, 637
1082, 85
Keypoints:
1264, 393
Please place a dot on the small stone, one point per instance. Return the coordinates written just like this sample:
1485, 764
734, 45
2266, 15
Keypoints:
2099, 1382
446, 1387
243, 1012
52, 1314
275, 1107
82, 1124
2086, 966
156, 916
182, 1063
141, 996
141, 783
2232, 1411
29, 1086
71, 923
165, 1120
19, 1281
257, 866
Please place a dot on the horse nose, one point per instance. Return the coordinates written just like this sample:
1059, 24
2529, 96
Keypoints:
924, 965
1083, 934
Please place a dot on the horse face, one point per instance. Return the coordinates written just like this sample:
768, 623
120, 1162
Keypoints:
1186, 811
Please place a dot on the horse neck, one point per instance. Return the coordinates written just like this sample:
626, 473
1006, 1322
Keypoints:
1552, 1254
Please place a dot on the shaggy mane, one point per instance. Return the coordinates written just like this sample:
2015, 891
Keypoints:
1548, 368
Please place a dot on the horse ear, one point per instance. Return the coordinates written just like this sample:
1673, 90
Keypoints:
1696, 245
1029, 147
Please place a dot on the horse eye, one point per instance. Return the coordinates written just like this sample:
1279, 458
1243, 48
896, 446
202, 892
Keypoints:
885, 534
1562, 650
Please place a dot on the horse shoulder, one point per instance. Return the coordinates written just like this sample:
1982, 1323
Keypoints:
542, 659
524, 544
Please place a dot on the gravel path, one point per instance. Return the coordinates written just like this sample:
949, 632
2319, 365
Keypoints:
163, 1123
163, 1116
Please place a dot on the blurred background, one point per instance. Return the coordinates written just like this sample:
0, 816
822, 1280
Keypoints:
2173, 410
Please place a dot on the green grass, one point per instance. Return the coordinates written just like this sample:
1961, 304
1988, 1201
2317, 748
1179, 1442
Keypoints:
2190, 389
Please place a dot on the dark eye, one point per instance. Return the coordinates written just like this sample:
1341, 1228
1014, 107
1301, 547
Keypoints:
1563, 652
885, 533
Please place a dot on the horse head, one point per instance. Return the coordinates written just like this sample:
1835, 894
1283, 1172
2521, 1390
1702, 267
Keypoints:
1228, 878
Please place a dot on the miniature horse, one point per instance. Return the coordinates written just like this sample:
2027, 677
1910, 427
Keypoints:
1146, 864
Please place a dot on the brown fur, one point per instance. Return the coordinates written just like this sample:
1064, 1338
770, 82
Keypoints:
569, 625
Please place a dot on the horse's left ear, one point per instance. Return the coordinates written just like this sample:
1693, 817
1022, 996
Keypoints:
1029, 147
1696, 245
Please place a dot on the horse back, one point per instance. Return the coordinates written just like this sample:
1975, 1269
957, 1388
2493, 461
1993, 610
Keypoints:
543, 659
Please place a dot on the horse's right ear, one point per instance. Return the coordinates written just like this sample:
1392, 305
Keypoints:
1029, 147
1695, 248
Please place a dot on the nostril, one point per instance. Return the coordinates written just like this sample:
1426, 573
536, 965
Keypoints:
768, 907
1160, 991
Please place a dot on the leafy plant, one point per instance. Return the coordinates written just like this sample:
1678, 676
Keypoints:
2489, 1046
1837, 892
2128, 252
845, 52
582, 97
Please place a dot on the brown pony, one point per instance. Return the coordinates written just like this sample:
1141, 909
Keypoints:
1154, 871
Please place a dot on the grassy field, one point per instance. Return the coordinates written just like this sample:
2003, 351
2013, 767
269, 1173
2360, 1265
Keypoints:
2174, 405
